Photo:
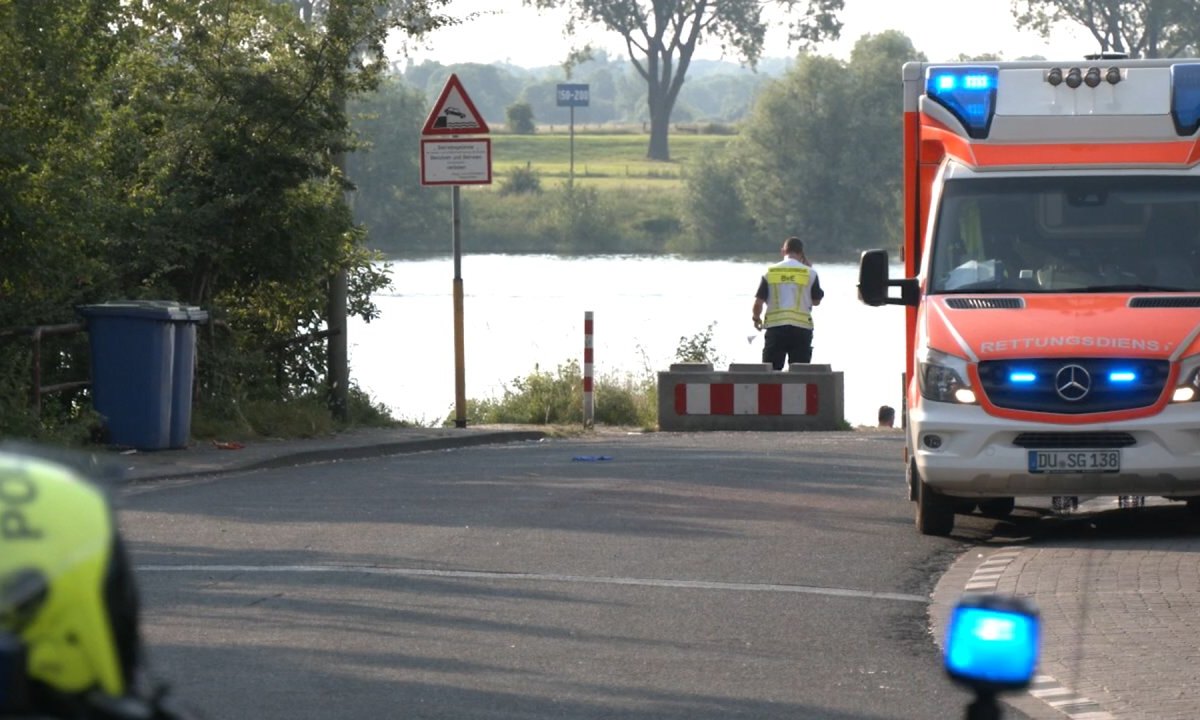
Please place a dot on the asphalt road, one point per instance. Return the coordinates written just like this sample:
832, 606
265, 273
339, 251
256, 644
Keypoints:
751, 575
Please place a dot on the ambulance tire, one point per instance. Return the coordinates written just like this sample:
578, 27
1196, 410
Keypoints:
1193, 505
935, 512
998, 507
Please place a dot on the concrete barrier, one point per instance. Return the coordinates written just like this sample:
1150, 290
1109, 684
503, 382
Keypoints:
750, 396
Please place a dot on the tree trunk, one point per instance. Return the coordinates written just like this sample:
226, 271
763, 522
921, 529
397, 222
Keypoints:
659, 149
660, 122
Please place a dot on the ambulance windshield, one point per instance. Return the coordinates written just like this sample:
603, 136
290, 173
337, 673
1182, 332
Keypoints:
1118, 233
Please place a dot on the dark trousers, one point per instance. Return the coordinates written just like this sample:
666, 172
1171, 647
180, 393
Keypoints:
787, 341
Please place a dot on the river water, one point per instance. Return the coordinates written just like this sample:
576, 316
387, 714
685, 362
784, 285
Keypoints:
523, 312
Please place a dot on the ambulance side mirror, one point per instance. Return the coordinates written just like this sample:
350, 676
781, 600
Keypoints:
873, 282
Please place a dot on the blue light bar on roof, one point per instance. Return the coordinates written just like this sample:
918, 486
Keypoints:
1185, 97
968, 92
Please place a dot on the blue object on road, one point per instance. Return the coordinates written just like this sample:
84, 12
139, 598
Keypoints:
590, 458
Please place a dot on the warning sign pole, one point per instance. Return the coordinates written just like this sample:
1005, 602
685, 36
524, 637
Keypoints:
460, 376
449, 159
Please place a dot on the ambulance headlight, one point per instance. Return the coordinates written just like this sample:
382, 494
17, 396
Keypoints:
941, 378
1188, 389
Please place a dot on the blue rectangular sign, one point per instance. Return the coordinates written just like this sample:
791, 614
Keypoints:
572, 94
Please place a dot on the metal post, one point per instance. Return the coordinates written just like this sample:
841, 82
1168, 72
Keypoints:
571, 180
37, 371
588, 359
460, 382
339, 358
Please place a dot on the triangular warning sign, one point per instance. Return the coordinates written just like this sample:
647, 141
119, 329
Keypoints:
454, 113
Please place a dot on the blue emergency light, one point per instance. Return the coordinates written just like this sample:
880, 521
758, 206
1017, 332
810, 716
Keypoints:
1185, 97
1021, 377
968, 92
992, 643
1122, 377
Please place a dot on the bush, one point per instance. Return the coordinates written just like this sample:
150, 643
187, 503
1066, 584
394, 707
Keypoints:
520, 118
698, 348
582, 221
540, 398
626, 401
521, 181
544, 398
304, 416
715, 215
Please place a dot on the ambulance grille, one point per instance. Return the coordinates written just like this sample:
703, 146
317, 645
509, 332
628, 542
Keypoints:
1074, 440
985, 303
1073, 386
1164, 302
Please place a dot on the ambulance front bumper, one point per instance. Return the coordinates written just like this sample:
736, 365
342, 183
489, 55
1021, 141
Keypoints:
962, 451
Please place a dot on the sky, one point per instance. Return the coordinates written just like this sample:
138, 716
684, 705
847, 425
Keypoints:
507, 31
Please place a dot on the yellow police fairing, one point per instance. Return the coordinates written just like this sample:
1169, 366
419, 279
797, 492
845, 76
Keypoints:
55, 524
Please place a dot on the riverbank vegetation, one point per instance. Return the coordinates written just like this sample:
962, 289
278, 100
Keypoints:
182, 151
628, 399
817, 154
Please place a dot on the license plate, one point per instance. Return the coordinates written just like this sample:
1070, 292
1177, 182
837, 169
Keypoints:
1074, 461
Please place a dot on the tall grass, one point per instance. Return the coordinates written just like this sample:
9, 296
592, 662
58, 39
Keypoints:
602, 159
556, 397
579, 220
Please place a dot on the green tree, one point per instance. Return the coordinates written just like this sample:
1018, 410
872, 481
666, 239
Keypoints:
520, 118
1140, 28
399, 214
662, 36
181, 149
822, 149
715, 215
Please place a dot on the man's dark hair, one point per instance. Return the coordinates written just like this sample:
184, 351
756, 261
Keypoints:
886, 414
793, 245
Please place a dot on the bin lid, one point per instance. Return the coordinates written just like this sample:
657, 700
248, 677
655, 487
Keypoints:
164, 310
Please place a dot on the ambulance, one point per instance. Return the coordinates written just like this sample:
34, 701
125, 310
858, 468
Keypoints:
1052, 279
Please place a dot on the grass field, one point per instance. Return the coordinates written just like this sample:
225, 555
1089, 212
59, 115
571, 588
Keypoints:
601, 160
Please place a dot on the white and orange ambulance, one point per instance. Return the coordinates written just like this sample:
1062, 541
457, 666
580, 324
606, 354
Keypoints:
1052, 257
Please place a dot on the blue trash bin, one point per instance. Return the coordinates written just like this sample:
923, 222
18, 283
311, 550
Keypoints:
183, 375
143, 357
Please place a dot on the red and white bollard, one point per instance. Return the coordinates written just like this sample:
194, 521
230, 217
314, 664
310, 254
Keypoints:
588, 410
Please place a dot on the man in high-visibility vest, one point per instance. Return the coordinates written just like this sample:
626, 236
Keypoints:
788, 291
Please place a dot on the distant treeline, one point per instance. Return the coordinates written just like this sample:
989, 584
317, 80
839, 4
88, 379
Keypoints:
817, 154
715, 91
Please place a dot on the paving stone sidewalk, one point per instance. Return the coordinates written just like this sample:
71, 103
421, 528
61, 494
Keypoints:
1120, 620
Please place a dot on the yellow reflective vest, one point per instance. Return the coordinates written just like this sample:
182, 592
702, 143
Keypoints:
789, 299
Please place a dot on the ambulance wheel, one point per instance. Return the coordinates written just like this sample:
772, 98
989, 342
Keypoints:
935, 512
998, 507
1193, 505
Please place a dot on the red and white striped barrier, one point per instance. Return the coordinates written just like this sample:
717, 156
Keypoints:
746, 399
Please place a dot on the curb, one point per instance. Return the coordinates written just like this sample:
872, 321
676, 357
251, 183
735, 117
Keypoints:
348, 452
362, 452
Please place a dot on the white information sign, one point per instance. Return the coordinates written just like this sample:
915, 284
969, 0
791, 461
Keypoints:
456, 161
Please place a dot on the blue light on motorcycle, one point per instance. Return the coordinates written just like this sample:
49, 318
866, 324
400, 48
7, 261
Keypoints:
992, 643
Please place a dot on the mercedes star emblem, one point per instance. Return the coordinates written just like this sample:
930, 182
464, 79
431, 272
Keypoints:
1072, 383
